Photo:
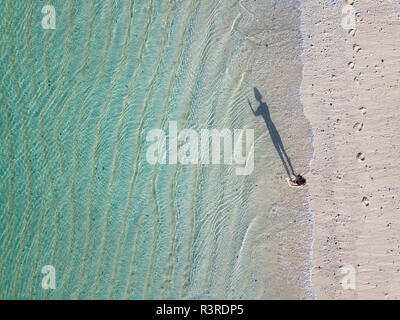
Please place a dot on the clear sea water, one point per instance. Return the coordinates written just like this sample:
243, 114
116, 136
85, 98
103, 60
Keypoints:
76, 191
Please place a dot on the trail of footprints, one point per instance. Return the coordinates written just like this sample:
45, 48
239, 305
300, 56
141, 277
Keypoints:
358, 126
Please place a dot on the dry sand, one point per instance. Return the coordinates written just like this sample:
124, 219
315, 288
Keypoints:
351, 97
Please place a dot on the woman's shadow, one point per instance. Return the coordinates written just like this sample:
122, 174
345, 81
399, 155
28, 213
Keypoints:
263, 111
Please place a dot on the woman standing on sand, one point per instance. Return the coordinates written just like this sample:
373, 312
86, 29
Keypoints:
294, 180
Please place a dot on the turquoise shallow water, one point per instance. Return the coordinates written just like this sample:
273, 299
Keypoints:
76, 190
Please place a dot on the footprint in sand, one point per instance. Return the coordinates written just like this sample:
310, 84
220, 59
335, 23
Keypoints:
360, 156
363, 110
359, 18
356, 48
365, 201
351, 65
352, 32
358, 126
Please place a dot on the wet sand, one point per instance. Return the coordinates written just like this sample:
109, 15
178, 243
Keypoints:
276, 250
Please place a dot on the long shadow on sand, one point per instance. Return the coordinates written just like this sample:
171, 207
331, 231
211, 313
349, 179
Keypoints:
263, 111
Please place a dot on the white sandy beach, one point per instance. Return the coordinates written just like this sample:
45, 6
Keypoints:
85, 213
351, 97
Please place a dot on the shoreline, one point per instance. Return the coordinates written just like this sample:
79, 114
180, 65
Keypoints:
276, 250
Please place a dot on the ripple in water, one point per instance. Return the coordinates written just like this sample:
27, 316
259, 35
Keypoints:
77, 191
